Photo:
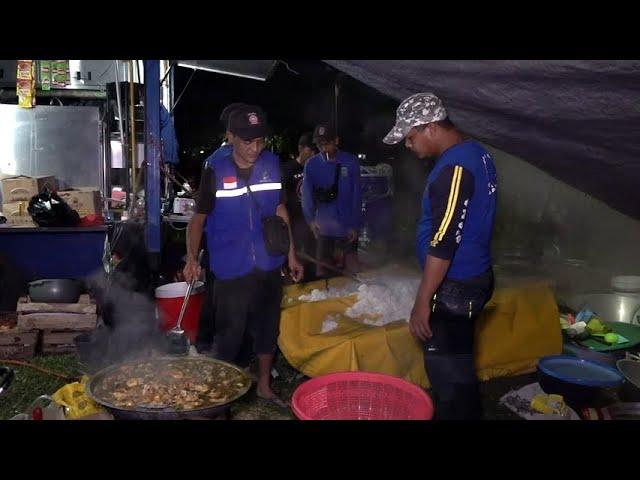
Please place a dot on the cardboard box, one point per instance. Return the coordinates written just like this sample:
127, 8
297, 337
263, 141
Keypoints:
20, 188
2, 177
17, 214
84, 200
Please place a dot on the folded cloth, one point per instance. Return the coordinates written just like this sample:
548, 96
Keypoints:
519, 402
585, 315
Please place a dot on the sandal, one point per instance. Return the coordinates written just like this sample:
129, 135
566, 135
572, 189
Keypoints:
275, 400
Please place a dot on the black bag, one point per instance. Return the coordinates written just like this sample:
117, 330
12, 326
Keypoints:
276, 235
274, 230
49, 210
328, 195
462, 299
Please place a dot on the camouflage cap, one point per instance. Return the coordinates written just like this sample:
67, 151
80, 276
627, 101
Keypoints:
418, 109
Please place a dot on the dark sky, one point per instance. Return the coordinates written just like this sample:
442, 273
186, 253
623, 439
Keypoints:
294, 104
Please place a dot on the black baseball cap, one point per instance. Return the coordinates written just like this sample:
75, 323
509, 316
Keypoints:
224, 116
306, 140
248, 122
324, 132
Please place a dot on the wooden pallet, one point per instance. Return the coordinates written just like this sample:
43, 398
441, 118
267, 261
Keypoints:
59, 341
57, 321
79, 316
16, 343
58, 349
84, 305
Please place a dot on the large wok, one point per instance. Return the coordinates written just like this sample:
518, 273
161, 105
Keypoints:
142, 413
6, 377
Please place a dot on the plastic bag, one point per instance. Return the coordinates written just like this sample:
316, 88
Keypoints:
76, 402
48, 210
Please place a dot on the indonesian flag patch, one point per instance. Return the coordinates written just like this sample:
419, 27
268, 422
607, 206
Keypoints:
229, 182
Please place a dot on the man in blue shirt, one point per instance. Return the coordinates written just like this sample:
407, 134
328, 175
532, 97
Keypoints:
331, 200
453, 248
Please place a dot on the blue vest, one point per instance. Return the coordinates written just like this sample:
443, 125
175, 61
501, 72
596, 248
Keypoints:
473, 255
234, 227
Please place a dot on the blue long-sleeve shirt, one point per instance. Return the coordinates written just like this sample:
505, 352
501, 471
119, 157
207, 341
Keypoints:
459, 208
343, 214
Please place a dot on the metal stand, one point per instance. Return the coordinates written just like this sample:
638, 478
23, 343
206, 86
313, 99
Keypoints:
152, 160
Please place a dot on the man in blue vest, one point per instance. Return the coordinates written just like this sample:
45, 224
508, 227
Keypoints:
331, 200
454, 250
206, 326
248, 288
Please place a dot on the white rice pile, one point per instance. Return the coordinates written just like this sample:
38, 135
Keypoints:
387, 299
388, 303
317, 295
329, 324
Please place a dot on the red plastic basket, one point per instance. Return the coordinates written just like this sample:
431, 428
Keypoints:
361, 396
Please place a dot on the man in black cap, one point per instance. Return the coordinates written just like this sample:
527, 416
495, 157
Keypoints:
241, 189
206, 326
225, 147
331, 200
292, 177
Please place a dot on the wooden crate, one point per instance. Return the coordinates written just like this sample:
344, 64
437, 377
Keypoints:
58, 349
16, 343
84, 305
59, 341
57, 321
79, 316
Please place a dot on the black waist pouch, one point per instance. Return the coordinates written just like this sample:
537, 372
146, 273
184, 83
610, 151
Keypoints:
328, 195
275, 231
276, 235
463, 298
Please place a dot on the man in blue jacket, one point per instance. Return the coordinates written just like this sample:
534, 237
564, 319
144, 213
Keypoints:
248, 287
453, 248
331, 200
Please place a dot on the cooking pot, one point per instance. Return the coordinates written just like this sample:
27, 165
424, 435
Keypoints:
610, 307
60, 290
630, 370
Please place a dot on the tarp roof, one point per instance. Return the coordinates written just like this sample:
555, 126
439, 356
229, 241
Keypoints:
255, 69
577, 120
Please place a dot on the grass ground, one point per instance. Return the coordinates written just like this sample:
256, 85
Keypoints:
29, 384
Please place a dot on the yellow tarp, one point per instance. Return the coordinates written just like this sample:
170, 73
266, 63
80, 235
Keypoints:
518, 326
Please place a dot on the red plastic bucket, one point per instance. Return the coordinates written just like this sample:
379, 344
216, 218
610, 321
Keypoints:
169, 300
